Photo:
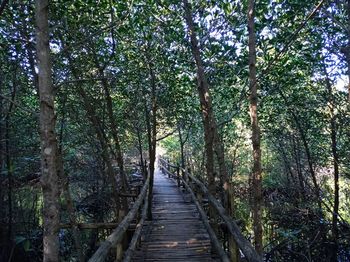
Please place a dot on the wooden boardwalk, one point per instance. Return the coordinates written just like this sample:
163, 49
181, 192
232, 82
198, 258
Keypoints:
176, 232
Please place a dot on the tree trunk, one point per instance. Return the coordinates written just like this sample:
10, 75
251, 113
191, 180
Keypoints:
256, 186
205, 100
2, 226
49, 176
70, 207
348, 48
296, 154
151, 119
104, 147
212, 139
8, 158
182, 144
114, 130
308, 154
333, 126
139, 143
71, 210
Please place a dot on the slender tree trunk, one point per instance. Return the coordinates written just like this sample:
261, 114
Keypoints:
71, 210
151, 119
8, 159
333, 126
213, 143
49, 176
114, 130
205, 100
150, 152
2, 228
308, 155
104, 147
256, 187
182, 144
296, 154
348, 48
139, 142
119, 154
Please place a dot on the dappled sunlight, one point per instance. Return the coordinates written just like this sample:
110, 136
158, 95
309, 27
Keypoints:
173, 244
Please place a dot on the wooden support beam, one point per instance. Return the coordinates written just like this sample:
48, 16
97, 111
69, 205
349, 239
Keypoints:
90, 225
178, 175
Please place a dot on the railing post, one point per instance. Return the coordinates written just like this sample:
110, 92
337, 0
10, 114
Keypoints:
169, 169
120, 245
149, 199
186, 176
199, 196
232, 244
145, 170
178, 175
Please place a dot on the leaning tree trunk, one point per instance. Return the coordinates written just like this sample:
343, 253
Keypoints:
114, 130
49, 176
256, 187
205, 99
213, 143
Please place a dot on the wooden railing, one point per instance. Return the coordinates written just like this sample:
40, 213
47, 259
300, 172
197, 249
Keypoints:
114, 239
197, 190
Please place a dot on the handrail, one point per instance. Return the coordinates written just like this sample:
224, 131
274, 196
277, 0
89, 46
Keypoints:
213, 237
245, 246
133, 243
117, 235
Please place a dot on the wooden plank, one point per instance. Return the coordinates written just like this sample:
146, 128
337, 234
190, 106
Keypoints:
177, 232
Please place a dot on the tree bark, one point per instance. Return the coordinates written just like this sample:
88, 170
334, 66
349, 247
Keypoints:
49, 176
333, 127
71, 210
139, 144
9, 165
256, 186
70, 207
114, 130
104, 147
205, 100
213, 143
151, 119
348, 48
182, 144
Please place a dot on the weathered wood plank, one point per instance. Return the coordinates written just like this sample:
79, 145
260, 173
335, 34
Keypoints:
177, 232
